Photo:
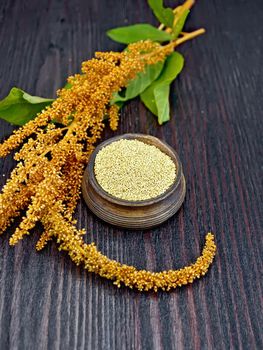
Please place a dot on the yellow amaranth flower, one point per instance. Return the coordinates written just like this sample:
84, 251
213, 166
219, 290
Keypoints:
47, 180
114, 117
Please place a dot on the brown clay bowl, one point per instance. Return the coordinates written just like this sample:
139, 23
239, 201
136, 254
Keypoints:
134, 214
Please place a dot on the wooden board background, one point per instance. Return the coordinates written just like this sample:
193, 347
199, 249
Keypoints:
46, 302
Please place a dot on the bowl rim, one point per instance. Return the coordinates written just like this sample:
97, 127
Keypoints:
134, 136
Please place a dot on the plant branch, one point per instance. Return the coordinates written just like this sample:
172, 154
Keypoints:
188, 36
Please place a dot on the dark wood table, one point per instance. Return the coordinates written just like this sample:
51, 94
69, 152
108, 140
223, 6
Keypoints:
46, 302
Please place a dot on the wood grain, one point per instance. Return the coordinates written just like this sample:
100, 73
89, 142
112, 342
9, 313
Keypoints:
46, 302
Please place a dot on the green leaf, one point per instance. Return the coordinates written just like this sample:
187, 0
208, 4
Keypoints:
119, 104
68, 86
180, 24
161, 97
139, 83
164, 15
137, 32
19, 107
156, 96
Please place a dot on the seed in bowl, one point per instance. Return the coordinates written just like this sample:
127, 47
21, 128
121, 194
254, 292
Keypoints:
133, 170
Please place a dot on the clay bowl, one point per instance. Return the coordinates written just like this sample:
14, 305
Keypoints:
134, 214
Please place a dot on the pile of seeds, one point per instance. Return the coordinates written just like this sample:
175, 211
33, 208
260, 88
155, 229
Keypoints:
133, 170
